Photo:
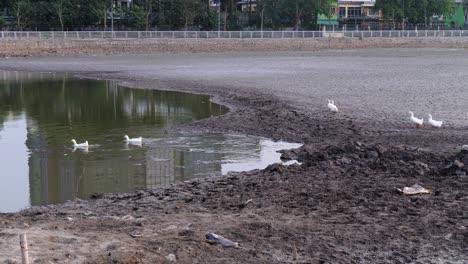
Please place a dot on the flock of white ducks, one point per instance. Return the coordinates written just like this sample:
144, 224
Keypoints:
418, 122
85, 145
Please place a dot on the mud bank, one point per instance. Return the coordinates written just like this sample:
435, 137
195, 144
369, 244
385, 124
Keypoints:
340, 206
50, 47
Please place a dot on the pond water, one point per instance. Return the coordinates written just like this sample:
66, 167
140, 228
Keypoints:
41, 113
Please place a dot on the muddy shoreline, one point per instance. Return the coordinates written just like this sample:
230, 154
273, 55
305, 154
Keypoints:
340, 206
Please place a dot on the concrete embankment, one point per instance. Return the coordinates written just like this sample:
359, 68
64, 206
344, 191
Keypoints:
38, 47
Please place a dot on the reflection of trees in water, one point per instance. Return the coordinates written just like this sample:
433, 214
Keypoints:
103, 104
57, 107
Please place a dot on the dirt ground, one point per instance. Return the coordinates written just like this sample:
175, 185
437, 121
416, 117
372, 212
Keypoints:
340, 206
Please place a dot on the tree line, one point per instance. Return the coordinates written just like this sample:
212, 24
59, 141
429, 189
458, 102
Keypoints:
161, 14
417, 11
197, 14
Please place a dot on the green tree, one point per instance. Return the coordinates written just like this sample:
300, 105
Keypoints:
413, 11
207, 19
171, 14
59, 7
190, 9
465, 9
147, 8
137, 17
22, 9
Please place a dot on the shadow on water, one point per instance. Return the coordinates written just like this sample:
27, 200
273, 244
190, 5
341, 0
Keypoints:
41, 113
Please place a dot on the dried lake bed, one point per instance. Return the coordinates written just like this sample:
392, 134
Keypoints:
339, 206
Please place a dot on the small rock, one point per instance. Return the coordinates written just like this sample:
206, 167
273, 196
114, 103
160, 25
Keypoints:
214, 238
459, 164
422, 165
372, 155
380, 149
127, 218
344, 160
171, 257
276, 167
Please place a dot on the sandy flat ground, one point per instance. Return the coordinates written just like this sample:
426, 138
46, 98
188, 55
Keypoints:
340, 206
369, 83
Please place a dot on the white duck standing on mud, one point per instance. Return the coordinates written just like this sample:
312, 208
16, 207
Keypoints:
81, 145
433, 122
416, 121
331, 106
133, 140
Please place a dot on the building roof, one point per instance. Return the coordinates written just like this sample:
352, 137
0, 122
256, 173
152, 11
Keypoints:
358, 2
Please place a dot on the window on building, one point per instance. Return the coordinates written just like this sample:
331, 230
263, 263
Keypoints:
354, 11
342, 11
373, 12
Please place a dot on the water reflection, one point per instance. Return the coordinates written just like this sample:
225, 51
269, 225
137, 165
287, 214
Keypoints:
41, 113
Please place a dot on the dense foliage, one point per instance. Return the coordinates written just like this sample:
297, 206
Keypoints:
196, 14
159, 14
414, 11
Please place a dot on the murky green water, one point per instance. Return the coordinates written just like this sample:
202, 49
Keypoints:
41, 113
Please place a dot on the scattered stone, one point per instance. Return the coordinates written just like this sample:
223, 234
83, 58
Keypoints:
213, 238
171, 257
454, 168
277, 167
415, 189
136, 234
127, 218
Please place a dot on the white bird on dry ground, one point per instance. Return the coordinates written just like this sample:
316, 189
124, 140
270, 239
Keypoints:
465, 147
416, 121
81, 145
433, 122
133, 140
331, 106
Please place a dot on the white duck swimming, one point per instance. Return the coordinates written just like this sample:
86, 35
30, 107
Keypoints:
418, 122
133, 140
81, 145
331, 106
433, 122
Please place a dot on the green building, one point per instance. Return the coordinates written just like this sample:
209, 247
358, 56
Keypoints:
457, 18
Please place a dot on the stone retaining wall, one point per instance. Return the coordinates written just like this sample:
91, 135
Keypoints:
37, 47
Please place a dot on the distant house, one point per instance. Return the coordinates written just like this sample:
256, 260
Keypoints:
359, 14
457, 18
118, 5
331, 19
244, 5
215, 5
123, 3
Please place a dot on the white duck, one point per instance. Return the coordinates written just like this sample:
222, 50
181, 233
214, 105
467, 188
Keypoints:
433, 122
133, 140
331, 106
418, 122
81, 145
